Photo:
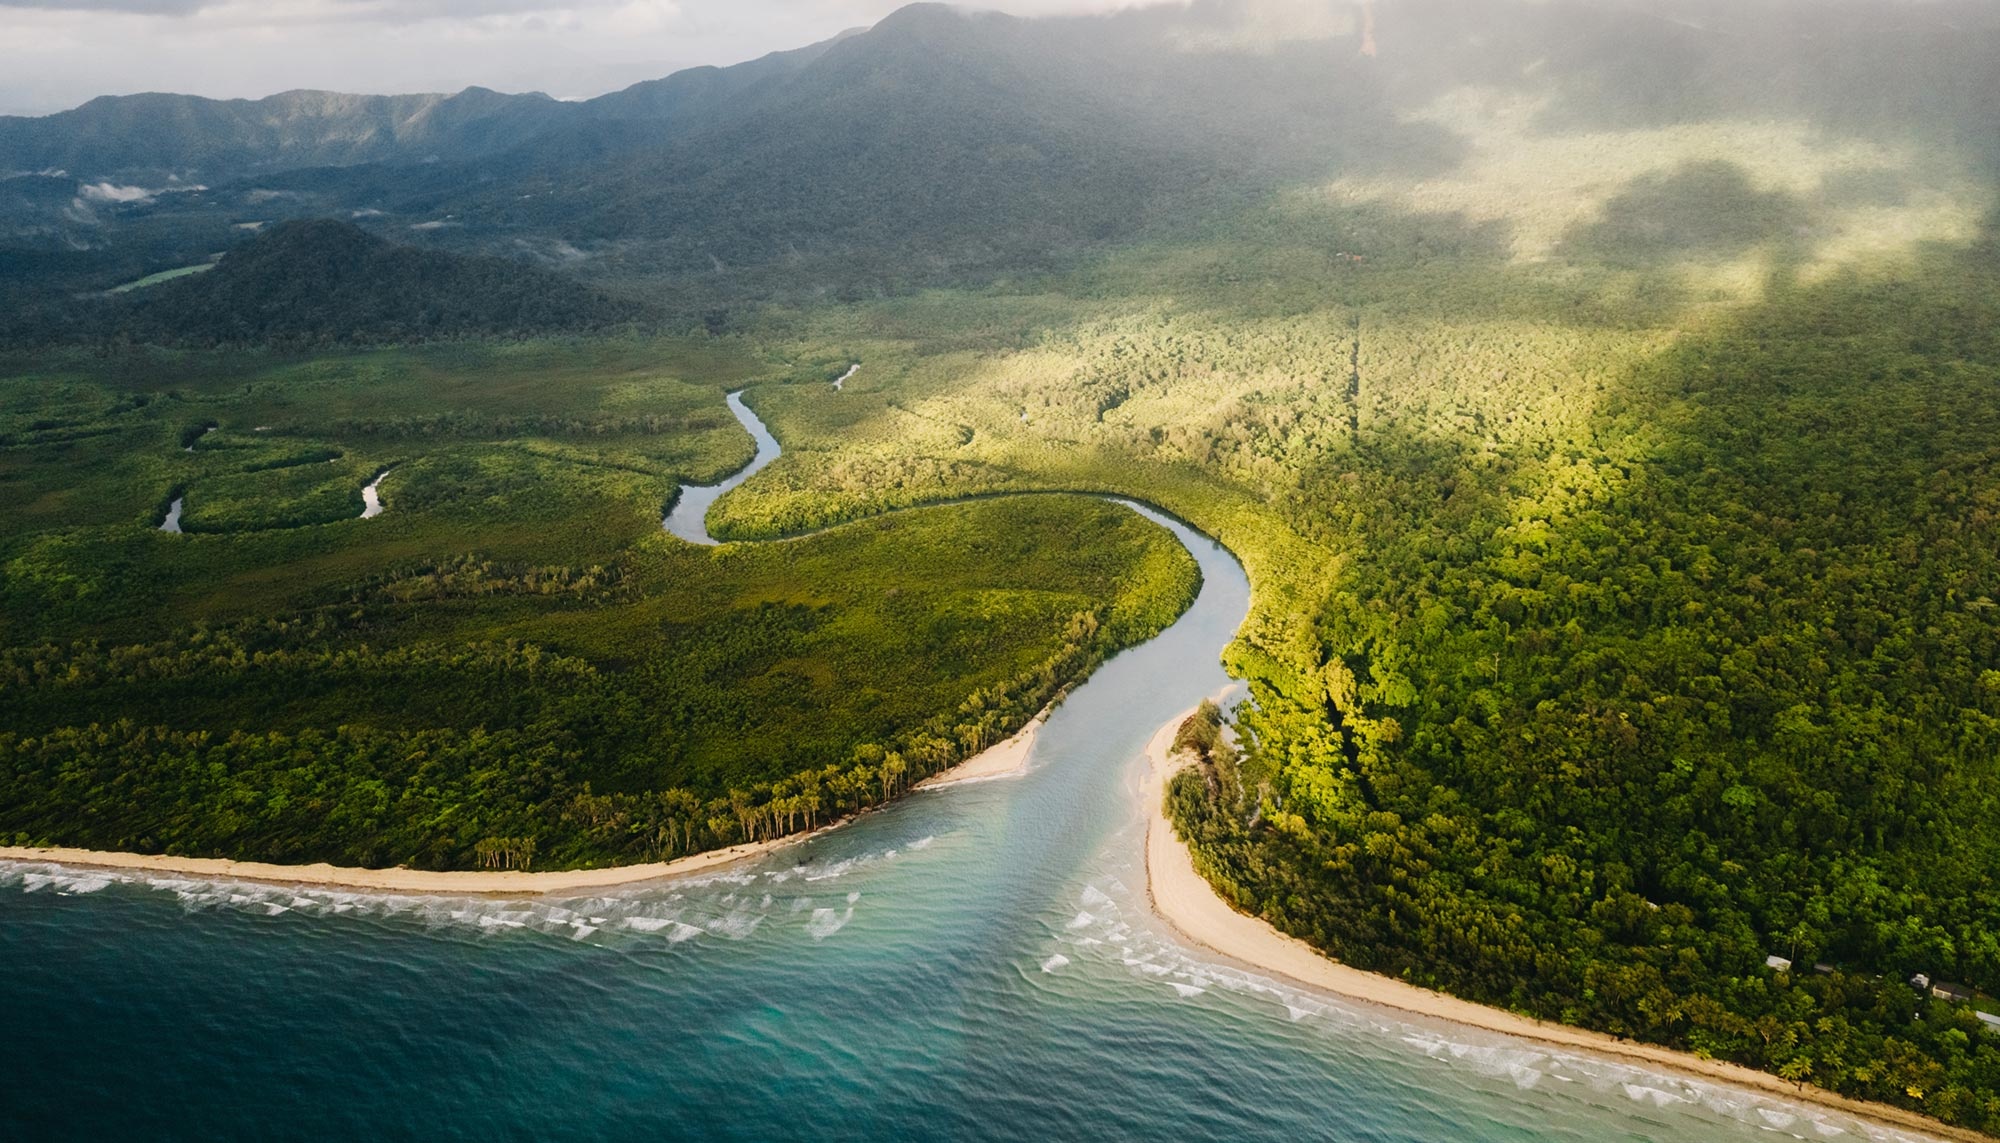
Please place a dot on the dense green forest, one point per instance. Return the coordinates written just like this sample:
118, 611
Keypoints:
323, 282
1597, 733
1623, 587
513, 666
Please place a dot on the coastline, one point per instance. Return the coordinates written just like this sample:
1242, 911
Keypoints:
1003, 760
1196, 913
1007, 759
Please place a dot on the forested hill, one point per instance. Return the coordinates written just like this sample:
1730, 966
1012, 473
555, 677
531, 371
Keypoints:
329, 282
160, 138
943, 146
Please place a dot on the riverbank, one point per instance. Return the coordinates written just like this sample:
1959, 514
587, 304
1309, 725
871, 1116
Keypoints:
1003, 760
1007, 759
1189, 905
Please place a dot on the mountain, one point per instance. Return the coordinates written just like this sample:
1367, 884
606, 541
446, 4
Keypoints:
329, 282
943, 146
155, 139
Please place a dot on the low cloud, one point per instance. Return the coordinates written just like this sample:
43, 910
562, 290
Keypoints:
110, 192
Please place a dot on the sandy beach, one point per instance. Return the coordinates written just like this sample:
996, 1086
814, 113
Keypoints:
400, 880
1008, 759
1003, 760
1186, 902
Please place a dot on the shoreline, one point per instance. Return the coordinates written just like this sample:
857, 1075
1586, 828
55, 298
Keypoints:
476, 883
1007, 759
1197, 914
1004, 760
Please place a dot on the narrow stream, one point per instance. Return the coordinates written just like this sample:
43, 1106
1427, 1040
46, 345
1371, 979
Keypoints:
688, 518
371, 496
974, 962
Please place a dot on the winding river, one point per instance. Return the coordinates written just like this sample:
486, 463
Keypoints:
976, 962
688, 518
371, 495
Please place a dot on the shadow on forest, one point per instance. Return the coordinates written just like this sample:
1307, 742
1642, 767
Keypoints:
1706, 209
1608, 751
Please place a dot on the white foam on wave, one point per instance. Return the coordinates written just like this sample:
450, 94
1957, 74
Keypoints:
837, 869
735, 925
1145, 951
649, 911
64, 884
1640, 1093
1187, 990
826, 922
1055, 962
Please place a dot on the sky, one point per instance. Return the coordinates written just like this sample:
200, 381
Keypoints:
56, 54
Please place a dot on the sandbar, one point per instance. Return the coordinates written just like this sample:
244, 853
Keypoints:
1007, 759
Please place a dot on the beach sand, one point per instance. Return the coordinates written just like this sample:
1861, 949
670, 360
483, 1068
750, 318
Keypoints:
1008, 759
1192, 908
1004, 760
512, 883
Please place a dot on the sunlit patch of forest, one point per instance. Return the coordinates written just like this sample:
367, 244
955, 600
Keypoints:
1619, 512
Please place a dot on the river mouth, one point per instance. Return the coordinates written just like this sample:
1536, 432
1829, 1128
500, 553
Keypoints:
974, 962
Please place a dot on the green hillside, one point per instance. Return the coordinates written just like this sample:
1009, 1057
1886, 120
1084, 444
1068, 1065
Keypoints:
325, 282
